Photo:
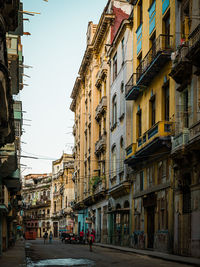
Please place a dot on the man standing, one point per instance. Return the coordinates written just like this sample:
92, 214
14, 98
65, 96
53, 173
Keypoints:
45, 236
50, 237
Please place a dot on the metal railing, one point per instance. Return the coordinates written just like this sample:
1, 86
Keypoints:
131, 82
194, 37
162, 43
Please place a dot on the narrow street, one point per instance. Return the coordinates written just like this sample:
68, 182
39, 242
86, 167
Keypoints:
58, 254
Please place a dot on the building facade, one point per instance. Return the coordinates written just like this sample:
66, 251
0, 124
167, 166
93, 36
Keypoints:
136, 169
91, 104
36, 204
185, 143
11, 30
62, 195
152, 90
119, 201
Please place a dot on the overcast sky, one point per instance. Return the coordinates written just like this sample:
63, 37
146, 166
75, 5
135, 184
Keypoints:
55, 49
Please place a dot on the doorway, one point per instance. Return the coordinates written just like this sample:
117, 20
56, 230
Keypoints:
150, 226
55, 229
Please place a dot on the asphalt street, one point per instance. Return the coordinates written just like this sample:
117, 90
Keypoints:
58, 254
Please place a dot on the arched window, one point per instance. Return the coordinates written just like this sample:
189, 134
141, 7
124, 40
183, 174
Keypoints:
122, 156
126, 204
114, 111
122, 101
114, 161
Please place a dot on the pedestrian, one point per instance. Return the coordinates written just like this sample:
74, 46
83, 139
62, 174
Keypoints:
90, 241
45, 236
93, 235
81, 235
50, 237
87, 235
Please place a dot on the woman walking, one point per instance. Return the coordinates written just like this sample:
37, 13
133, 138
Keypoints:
50, 237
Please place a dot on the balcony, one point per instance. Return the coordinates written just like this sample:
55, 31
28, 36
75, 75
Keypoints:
154, 139
130, 150
99, 187
120, 190
155, 59
194, 134
101, 108
9, 165
101, 74
194, 47
182, 67
159, 130
180, 140
131, 89
100, 145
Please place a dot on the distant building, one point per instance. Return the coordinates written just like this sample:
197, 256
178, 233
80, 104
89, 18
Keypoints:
62, 195
37, 203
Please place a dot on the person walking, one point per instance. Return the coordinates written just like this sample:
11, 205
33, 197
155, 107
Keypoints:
50, 237
45, 236
81, 235
90, 240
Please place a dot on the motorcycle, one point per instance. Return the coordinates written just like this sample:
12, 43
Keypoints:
73, 239
67, 239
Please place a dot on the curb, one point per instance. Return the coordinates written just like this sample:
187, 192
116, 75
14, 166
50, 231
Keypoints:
153, 254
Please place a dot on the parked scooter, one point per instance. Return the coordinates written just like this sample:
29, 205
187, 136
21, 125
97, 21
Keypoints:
73, 239
67, 239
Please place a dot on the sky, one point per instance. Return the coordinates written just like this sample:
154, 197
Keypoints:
54, 50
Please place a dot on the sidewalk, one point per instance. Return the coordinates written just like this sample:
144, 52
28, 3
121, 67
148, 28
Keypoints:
155, 254
14, 256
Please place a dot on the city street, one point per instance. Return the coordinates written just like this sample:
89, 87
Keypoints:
58, 254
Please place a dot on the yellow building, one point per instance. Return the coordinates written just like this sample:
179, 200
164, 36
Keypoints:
62, 195
152, 90
91, 101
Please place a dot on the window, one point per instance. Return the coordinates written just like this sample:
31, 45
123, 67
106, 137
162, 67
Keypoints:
152, 111
66, 201
167, 30
123, 55
114, 66
54, 206
140, 13
166, 101
99, 130
114, 111
114, 161
122, 101
139, 122
150, 175
141, 180
185, 109
122, 154
153, 44
139, 68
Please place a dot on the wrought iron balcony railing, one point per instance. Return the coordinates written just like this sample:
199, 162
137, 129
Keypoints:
160, 129
194, 46
131, 88
182, 67
155, 59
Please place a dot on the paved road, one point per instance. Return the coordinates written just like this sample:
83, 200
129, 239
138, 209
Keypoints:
59, 254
